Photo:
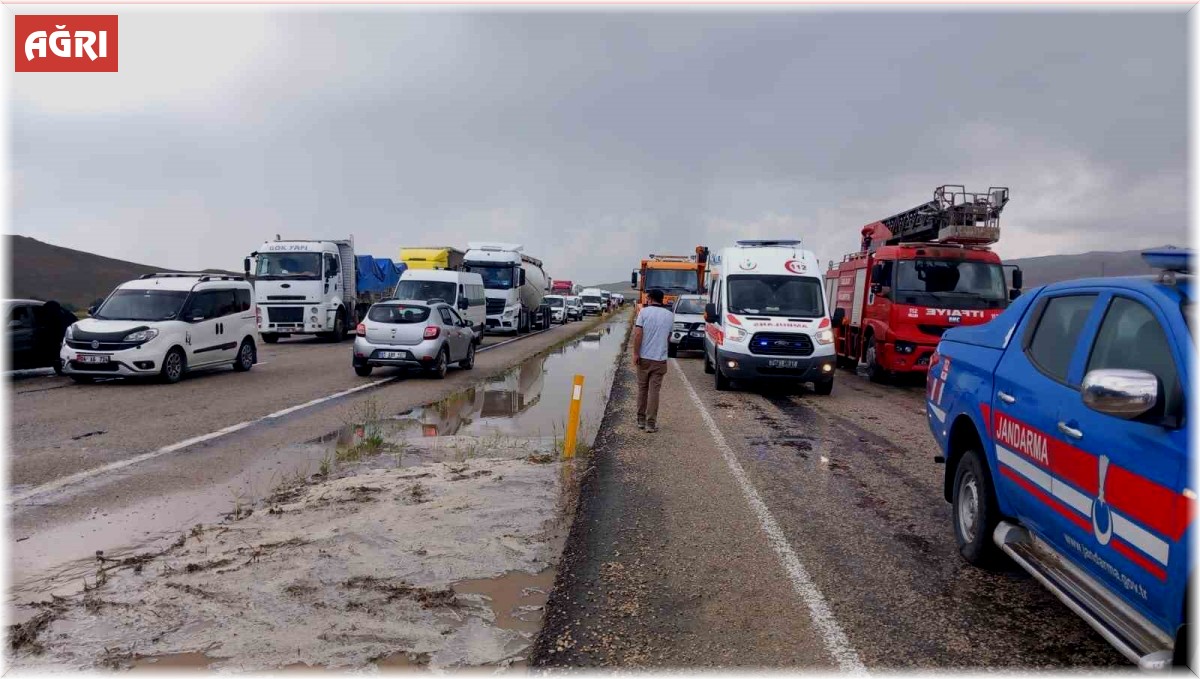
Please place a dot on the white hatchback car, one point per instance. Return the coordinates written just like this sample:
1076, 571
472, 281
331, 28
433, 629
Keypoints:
164, 325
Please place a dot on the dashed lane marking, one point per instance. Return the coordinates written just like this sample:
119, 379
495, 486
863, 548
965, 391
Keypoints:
834, 638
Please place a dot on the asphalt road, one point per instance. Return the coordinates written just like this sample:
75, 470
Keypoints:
105, 467
767, 529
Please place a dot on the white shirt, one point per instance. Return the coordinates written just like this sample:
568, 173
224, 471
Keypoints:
655, 322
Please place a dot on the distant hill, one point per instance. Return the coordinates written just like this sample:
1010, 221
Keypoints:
70, 277
1054, 268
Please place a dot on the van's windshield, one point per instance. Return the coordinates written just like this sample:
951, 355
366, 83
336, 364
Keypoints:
142, 305
766, 295
425, 290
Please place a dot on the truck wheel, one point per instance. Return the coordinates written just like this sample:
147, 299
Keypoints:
672, 350
975, 511
720, 381
708, 366
173, 366
245, 357
823, 388
339, 328
269, 338
875, 372
363, 370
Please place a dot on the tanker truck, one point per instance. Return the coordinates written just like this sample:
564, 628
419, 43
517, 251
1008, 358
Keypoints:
515, 285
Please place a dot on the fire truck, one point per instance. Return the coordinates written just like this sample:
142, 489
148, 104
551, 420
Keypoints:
916, 274
675, 275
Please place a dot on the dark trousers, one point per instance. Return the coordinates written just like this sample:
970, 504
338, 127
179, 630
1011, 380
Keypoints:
650, 376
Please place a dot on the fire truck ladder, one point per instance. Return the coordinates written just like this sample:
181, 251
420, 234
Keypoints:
952, 206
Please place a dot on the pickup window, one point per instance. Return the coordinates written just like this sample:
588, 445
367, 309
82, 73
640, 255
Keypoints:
1057, 333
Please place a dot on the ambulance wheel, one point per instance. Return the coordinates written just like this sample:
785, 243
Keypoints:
720, 381
875, 372
672, 350
975, 512
708, 366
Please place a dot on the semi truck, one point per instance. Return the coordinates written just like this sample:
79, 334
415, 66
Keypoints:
432, 258
675, 275
916, 274
564, 288
515, 284
315, 287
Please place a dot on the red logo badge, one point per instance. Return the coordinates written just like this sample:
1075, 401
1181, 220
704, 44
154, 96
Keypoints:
795, 266
66, 43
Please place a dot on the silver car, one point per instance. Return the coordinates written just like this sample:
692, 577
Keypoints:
410, 334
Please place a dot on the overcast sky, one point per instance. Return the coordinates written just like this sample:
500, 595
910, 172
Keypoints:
596, 137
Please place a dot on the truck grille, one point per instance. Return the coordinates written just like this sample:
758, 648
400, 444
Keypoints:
285, 314
285, 298
780, 344
935, 330
495, 306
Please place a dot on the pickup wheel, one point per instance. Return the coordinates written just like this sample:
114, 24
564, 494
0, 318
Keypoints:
975, 512
875, 372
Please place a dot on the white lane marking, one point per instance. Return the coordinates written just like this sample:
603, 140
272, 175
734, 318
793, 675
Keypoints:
121, 464
836, 642
86, 474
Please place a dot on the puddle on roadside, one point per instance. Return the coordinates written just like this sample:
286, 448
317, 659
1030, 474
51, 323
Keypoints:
514, 414
518, 599
180, 663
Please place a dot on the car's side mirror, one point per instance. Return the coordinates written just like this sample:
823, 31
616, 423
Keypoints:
839, 316
710, 312
92, 310
1121, 393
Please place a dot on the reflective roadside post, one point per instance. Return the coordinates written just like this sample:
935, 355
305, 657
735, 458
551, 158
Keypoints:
573, 418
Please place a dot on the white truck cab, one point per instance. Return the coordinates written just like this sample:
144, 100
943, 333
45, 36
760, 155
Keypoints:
767, 316
305, 287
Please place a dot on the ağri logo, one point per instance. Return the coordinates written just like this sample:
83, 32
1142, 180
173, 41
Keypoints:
65, 43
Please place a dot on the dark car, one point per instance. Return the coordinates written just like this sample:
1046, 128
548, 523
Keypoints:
35, 333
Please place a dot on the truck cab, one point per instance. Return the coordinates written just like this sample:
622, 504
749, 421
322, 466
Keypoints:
304, 287
1064, 430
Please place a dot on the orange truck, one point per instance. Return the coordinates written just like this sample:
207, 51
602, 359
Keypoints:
675, 275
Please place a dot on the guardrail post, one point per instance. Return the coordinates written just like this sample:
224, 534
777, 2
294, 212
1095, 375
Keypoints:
573, 418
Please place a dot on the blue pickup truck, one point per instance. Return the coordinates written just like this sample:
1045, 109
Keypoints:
1063, 429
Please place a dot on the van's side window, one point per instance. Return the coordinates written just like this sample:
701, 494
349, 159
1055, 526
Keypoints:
205, 305
243, 299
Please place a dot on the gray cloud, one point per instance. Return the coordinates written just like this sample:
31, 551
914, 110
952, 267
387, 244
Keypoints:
596, 137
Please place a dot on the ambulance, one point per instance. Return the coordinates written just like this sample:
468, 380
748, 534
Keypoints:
767, 316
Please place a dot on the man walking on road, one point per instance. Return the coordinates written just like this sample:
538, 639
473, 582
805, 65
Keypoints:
651, 333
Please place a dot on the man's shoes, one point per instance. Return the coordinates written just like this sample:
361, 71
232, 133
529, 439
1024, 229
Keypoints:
651, 428
641, 422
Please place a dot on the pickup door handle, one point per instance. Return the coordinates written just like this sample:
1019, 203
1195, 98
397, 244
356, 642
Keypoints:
1007, 398
1069, 430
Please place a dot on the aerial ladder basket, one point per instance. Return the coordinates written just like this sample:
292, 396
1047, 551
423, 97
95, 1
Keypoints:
953, 216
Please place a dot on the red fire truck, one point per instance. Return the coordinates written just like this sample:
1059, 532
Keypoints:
916, 274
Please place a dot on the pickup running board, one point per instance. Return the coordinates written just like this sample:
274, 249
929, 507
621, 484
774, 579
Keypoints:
1127, 630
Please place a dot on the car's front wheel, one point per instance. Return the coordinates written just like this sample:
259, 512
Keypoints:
976, 513
173, 367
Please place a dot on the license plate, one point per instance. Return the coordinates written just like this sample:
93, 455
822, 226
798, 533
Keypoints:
697, 333
783, 363
85, 358
391, 354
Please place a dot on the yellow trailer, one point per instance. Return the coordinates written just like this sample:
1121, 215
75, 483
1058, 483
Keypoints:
432, 258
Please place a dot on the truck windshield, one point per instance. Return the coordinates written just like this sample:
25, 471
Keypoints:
142, 305
776, 296
426, 290
495, 277
689, 306
670, 280
304, 265
957, 283
398, 313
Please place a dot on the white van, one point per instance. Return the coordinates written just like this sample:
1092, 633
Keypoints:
767, 316
164, 325
461, 290
593, 303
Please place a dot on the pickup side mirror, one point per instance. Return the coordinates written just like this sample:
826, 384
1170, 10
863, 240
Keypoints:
710, 312
463, 304
1121, 393
839, 316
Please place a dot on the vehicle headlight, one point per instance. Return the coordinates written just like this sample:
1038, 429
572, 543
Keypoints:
141, 335
680, 326
825, 336
314, 310
903, 347
70, 331
735, 334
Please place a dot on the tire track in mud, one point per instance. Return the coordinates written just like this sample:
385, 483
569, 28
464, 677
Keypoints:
855, 488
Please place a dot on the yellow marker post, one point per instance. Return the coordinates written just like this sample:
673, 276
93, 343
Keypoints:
573, 418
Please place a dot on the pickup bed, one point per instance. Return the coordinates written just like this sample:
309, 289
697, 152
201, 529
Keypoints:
1063, 429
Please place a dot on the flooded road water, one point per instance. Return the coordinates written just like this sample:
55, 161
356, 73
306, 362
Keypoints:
518, 413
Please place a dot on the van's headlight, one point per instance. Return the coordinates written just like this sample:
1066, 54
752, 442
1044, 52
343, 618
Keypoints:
141, 335
735, 334
70, 332
825, 336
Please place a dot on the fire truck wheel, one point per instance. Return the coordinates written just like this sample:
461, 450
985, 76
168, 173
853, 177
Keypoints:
708, 366
975, 511
875, 372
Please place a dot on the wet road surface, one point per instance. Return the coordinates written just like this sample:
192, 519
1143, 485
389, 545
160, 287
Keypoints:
786, 529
